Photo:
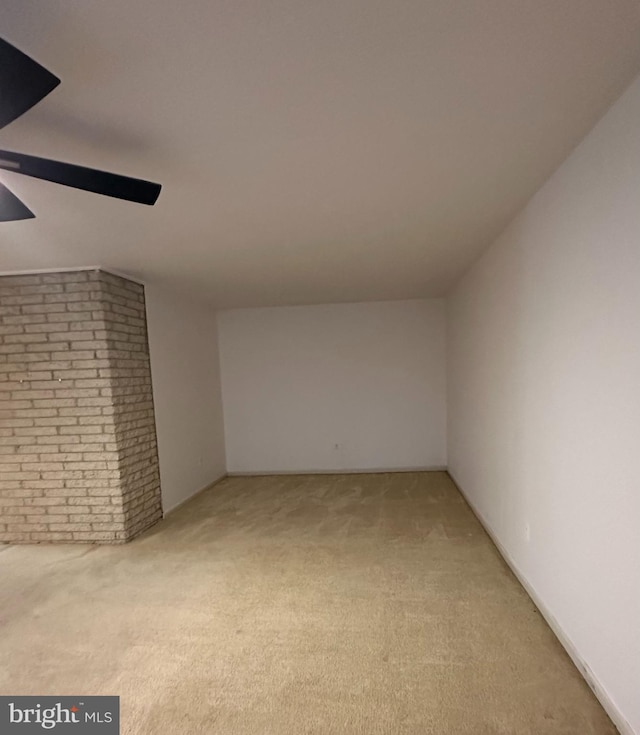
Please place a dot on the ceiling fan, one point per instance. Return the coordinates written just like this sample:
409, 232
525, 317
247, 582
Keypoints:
23, 83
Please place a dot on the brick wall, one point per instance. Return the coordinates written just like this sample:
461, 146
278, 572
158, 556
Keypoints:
78, 457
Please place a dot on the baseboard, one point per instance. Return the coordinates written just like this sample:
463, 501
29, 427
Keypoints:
175, 507
339, 471
596, 687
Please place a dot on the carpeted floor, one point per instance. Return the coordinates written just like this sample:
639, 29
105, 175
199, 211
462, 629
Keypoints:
290, 605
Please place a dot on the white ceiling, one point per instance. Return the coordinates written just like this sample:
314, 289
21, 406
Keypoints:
310, 151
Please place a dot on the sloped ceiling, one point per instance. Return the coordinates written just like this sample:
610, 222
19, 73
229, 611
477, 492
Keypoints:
310, 152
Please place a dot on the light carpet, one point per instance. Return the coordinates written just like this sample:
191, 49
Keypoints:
372, 604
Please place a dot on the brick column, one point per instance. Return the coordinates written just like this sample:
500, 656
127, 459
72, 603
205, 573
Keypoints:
78, 456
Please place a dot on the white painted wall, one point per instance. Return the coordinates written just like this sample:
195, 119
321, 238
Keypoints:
369, 378
544, 399
186, 392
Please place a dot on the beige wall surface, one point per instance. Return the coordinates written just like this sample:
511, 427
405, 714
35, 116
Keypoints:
544, 398
185, 368
334, 387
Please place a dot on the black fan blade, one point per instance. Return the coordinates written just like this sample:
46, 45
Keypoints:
11, 208
79, 177
23, 82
